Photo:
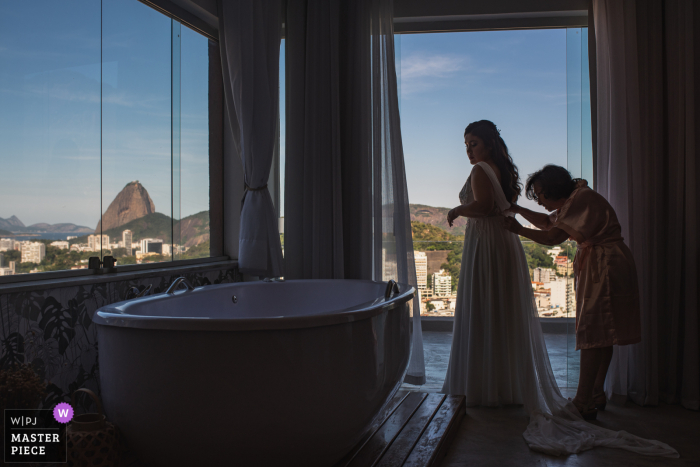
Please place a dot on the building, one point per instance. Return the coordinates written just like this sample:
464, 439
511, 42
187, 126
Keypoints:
436, 259
554, 252
543, 275
61, 244
151, 245
97, 242
562, 294
565, 269
7, 244
442, 284
542, 296
421, 260
33, 252
6, 272
127, 239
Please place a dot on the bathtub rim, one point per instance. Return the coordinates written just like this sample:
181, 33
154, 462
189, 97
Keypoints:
109, 316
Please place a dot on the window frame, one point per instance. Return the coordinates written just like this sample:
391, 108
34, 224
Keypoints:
216, 190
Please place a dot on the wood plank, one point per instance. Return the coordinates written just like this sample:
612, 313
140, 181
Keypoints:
402, 446
385, 435
432, 446
384, 414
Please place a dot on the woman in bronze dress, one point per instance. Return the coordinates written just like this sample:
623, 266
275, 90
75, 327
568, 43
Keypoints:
607, 294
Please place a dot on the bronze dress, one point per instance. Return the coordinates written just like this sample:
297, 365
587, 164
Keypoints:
607, 293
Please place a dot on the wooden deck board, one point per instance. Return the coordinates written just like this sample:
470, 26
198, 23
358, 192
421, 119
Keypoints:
378, 422
437, 437
403, 444
416, 433
385, 435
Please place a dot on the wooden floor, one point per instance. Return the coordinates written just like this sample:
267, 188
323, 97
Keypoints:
415, 430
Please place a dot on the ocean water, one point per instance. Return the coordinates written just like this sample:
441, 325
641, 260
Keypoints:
47, 236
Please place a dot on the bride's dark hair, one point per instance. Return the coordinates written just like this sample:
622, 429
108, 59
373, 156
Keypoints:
510, 178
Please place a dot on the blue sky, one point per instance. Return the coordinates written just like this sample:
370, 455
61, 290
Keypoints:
56, 137
51, 88
517, 79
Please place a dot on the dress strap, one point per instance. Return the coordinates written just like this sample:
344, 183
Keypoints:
499, 197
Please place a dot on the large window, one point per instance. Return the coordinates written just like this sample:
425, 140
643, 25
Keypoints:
534, 85
104, 136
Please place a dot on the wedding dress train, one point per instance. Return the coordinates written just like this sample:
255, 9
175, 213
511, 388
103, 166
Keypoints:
498, 351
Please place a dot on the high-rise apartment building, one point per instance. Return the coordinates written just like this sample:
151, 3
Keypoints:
97, 242
7, 244
442, 284
543, 275
63, 245
152, 245
33, 252
421, 260
127, 238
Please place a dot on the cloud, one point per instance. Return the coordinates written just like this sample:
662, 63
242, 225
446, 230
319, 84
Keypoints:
421, 72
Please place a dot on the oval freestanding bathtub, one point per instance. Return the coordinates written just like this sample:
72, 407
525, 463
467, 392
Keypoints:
252, 374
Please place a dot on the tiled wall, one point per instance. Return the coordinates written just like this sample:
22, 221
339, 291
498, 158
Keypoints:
52, 329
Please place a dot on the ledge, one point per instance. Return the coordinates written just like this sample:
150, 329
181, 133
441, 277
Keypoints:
549, 325
54, 283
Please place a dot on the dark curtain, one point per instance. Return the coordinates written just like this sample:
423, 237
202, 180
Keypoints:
647, 166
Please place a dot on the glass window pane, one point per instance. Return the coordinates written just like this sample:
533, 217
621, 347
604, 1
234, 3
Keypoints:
136, 133
49, 132
194, 147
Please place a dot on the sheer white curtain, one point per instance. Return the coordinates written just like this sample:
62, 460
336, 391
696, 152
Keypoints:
249, 39
647, 107
391, 211
346, 202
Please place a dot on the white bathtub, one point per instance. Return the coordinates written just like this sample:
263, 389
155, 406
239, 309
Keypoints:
293, 373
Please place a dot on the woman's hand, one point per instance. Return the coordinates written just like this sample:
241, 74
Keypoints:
514, 208
513, 225
451, 216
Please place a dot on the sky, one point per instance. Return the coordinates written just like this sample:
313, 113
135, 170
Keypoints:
81, 97
517, 79
64, 119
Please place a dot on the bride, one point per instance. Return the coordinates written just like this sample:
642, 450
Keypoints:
498, 354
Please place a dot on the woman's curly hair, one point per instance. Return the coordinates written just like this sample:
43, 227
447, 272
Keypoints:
555, 182
510, 178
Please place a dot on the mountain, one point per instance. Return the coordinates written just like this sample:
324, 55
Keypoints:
438, 217
194, 228
133, 202
58, 228
6, 233
11, 223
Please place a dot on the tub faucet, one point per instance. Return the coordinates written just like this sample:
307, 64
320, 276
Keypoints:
391, 286
133, 292
177, 283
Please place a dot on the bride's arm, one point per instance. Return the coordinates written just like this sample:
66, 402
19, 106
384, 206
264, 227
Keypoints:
483, 198
538, 219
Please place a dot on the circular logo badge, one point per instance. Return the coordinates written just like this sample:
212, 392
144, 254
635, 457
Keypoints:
63, 412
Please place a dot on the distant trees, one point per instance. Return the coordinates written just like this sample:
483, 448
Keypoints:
537, 256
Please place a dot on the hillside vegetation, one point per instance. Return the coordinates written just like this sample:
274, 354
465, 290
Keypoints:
437, 217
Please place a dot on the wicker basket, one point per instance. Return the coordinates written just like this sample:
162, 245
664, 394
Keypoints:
92, 440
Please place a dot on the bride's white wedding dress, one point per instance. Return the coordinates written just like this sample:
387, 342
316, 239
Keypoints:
498, 352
